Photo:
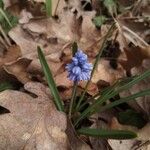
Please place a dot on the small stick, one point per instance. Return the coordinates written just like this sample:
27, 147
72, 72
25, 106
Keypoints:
56, 8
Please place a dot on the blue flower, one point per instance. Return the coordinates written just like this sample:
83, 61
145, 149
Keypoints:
79, 69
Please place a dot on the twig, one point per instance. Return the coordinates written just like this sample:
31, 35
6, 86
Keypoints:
56, 8
121, 32
142, 145
136, 7
135, 35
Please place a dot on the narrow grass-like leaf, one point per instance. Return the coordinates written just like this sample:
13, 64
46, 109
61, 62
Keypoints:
108, 134
5, 86
50, 80
1, 4
135, 80
111, 93
49, 8
5, 16
7, 20
92, 107
74, 48
103, 92
95, 65
126, 99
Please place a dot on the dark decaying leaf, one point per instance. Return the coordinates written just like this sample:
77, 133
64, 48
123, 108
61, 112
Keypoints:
135, 57
131, 117
3, 110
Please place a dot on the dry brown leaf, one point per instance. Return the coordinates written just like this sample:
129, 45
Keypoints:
101, 120
136, 25
34, 123
62, 80
135, 57
106, 73
92, 88
35, 67
143, 137
68, 28
75, 142
27, 45
25, 16
12, 54
18, 69
56, 4
65, 93
6, 77
89, 39
54, 36
122, 144
129, 35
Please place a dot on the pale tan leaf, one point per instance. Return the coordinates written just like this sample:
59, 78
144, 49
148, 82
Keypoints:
33, 120
106, 73
10, 55
18, 69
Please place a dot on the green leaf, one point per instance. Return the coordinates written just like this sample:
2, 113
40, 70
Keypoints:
99, 21
126, 99
74, 48
113, 92
73, 98
7, 20
51, 83
108, 134
1, 4
3, 14
49, 8
5, 86
131, 117
111, 6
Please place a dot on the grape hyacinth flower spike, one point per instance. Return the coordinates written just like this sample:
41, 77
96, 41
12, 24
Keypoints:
79, 69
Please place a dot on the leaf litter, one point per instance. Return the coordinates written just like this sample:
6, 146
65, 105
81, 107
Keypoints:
33, 117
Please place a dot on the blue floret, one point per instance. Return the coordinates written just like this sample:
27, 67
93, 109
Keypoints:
79, 69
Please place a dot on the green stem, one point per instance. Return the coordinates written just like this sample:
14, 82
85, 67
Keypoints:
73, 98
95, 65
